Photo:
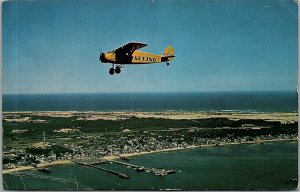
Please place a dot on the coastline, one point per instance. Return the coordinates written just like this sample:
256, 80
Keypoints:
113, 157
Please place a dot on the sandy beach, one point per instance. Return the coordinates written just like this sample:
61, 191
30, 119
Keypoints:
112, 157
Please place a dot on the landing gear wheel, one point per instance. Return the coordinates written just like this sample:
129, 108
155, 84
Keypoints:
111, 71
118, 70
168, 63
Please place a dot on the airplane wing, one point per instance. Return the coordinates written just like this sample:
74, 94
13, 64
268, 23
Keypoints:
129, 48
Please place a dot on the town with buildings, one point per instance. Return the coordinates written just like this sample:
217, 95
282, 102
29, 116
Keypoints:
26, 145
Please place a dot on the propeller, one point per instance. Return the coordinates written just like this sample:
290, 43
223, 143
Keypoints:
100, 53
101, 56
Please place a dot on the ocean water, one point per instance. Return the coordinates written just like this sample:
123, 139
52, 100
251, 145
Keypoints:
271, 166
284, 101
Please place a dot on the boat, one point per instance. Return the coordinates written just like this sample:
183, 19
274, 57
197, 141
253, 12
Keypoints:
171, 171
140, 169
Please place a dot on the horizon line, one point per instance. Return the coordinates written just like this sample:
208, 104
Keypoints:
154, 92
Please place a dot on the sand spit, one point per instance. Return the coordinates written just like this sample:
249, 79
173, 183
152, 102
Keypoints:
112, 157
114, 116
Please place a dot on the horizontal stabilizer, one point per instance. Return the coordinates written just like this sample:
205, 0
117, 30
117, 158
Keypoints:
168, 58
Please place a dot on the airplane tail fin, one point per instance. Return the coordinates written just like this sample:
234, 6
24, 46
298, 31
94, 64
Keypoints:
168, 54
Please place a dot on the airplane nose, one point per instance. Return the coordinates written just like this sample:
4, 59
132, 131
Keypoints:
102, 57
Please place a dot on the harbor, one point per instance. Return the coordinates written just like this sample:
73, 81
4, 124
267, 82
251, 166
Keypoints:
194, 168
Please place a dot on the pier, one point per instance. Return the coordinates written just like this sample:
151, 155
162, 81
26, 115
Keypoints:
121, 175
126, 164
91, 161
153, 170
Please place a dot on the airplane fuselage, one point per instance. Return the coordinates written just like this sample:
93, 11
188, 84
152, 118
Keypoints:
137, 57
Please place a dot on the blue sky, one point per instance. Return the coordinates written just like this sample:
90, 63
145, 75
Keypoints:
220, 45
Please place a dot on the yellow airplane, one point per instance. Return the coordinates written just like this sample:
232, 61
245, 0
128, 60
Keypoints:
128, 54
